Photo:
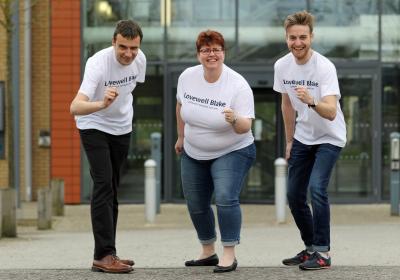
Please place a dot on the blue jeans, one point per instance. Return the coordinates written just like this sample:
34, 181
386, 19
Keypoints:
310, 166
223, 176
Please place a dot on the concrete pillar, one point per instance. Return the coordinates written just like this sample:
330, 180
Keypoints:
57, 190
8, 212
44, 208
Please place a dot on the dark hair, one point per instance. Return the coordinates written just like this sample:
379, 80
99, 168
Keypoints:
300, 18
128, 29
209, 37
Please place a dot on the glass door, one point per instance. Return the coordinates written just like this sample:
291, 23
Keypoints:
260, 180
148, 119
356, 170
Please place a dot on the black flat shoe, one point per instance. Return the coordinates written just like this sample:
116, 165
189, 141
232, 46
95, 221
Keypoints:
210, 261
222, 269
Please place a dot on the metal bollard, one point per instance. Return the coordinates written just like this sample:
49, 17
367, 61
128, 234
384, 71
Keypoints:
44, 208
8, 213
156, 155
280, 190
394, 173
57, 190
150, 190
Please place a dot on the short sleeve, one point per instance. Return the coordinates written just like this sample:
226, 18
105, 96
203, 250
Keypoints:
141, 62
243, 102
278, 86
329, 82
179, 91
91, 79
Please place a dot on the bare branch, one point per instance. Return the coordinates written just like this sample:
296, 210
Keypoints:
3, 11
5, 7
2, 23
33, 3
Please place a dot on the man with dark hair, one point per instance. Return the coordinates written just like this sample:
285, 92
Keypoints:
103, 112
128, 29
309, 87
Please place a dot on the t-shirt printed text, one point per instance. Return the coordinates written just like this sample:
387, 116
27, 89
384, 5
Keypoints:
204, 102
123, 82
300, 83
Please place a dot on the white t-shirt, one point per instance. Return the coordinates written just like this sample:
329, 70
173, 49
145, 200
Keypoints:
103, 70
207, 134
319, 76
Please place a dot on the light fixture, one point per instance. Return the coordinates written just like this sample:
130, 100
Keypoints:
104, 8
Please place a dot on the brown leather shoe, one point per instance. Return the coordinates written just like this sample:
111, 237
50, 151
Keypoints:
110, 264
127, 261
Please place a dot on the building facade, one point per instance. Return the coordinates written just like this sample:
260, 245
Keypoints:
361, 37
39, 97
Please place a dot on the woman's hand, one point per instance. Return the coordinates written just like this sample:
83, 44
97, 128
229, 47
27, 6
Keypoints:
179, 146
239, 124
288, 149
230, 116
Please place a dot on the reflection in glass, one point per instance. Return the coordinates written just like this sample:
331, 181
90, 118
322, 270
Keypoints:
190, 17
107, 12
391, 31
352, 175
102, 15
346, 29
261, 32
148, 118
260, 180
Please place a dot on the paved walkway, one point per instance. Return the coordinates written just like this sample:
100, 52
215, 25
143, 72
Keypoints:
365, 245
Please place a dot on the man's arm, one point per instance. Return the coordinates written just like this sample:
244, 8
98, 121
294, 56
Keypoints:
326, 107
289, 118
82, 106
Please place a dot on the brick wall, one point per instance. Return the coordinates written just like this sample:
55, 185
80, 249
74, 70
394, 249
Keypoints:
55, 80
40, 92
65, 81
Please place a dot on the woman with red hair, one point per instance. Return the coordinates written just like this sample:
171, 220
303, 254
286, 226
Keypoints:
214, 111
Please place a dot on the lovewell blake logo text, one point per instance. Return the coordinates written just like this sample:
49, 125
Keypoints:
122, 82
300, 83
205, 101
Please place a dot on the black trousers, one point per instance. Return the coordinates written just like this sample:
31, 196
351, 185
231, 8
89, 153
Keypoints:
106, 154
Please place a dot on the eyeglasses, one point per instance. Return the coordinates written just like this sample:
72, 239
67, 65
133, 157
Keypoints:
208, 51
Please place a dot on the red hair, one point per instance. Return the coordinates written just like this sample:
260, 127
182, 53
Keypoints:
209, 37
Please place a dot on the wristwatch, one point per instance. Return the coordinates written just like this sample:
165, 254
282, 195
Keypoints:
315, 103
